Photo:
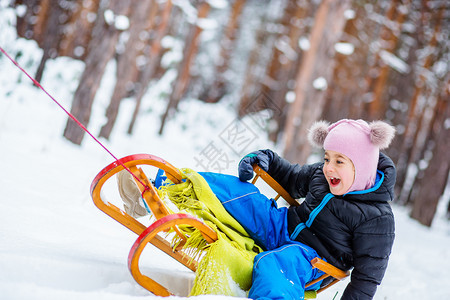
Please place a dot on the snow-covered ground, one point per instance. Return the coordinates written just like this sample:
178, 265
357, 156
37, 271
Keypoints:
55, 244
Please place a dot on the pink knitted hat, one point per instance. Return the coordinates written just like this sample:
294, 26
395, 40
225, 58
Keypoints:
359, 141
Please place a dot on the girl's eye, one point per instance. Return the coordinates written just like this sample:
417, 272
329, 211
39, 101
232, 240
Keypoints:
339, 161
326, 160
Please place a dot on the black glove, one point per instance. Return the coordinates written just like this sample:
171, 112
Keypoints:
261, 157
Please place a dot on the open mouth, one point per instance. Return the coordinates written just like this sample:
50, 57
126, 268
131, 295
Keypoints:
334, 181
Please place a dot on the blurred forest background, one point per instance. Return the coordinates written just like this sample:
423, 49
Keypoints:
296, 61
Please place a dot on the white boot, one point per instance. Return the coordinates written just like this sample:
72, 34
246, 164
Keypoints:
131, 195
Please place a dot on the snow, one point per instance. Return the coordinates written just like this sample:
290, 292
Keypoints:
320, 83
207, 24
21, 10
349, 14
304, 43
109, 16
284, 46
55, 244
218, 4
344, 48
394, 62
290, 97
121, 22
188, 9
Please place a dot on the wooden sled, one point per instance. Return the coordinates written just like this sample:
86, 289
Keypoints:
165, 220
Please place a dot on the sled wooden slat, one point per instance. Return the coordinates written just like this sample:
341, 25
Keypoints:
149, 194
329, 268
260, 173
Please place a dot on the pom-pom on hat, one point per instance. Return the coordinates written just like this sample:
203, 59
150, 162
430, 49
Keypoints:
359, 141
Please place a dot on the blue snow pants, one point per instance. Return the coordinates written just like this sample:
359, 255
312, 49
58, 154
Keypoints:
282, 271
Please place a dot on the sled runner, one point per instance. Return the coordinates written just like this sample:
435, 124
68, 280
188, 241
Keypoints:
165, 220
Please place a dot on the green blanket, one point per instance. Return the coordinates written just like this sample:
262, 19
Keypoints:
226, 267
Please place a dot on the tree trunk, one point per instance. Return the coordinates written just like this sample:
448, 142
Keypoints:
252, 97
51, 33
415, 112
24, 27
189, 53
62, 28
389, 38
447, 215
78, 31
343, 96
154, 58
432, 185
317, 64
218, 88
126, 63
45, 12
101, 50
250, 87
286, 61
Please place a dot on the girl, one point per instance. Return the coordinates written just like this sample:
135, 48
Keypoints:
345, 216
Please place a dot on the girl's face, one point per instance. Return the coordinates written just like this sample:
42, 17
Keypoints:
339, 172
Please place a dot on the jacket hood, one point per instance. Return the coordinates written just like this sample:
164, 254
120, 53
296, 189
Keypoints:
385, 190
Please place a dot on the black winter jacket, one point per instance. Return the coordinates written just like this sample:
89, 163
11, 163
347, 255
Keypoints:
355, 230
